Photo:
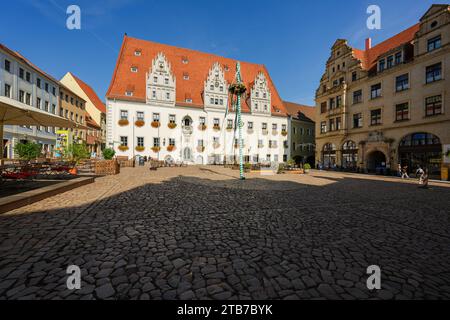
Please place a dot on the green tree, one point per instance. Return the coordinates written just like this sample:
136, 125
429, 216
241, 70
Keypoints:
28, 151
108, 153
78, 151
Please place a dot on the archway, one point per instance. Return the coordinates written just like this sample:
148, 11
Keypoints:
329, 155
376, 161
421, 149
349, 155
187, 121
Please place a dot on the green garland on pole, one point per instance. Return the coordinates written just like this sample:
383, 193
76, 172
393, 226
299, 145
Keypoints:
239, 89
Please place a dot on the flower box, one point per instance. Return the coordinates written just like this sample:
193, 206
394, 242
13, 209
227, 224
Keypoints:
202, 127
171, 148
140, 149
123, 122
216, 145
172, 125
200, 149
156, 124
216, 128
265, 132
156, 149
123, 148
140, 123
274, 132
284, 133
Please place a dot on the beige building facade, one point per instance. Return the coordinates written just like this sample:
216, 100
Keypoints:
73, 107
388, 104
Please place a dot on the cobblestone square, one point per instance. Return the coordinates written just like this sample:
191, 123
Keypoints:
199, 233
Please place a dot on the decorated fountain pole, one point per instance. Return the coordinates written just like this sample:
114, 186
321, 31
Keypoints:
238, 89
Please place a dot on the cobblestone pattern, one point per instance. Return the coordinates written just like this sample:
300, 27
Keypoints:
198, 233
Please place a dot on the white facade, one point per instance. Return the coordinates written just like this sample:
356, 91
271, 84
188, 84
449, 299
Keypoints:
21, 82
193, 143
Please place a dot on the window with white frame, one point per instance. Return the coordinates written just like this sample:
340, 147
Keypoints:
172, 118
123, 115
140, 116
140, 141
155, 116
124, 141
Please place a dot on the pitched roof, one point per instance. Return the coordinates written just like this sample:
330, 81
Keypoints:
90, 93
370, 57
295, 110
91, 122
198, 66
27, 62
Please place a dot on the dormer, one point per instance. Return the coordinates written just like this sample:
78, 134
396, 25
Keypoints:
161, 82
215, 92
260, 97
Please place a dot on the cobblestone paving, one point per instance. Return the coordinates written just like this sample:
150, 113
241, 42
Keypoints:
198, 233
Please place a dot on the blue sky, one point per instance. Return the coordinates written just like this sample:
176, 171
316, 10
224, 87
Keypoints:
292, 38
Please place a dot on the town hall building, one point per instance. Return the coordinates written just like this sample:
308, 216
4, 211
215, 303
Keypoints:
173, 104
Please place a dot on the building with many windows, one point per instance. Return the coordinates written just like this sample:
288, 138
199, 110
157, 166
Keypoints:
94, 107
22, 81
72, 107
386, 105
170, 103
301, 128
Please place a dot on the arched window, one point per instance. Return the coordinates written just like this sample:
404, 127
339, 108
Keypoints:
349, 155
421, 149
329, 155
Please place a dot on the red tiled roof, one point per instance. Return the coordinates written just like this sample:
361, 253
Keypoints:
91, 122
91, 94
198, 67
369, 57
294, 108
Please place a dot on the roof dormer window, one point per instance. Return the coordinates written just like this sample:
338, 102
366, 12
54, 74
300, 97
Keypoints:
188, 100
226, 67
129, 93
186, 76
185, 60
134, 69
137, 53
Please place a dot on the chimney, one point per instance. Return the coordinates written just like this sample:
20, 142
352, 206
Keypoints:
368, 43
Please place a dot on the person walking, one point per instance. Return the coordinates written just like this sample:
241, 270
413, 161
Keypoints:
405, 172
425, 180
399, 170
421, 174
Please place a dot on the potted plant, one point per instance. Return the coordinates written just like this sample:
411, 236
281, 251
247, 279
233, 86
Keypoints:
108, 154
123, 148
307, 167
156, 124
28, 151
172, 125
156, 149
140, 149
265, 132
284, 133
171, 148
77, 152
202, 127
139, 123
123, 122
216, 127
247, 167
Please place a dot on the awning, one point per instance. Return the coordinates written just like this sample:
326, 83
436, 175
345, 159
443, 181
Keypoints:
13, 112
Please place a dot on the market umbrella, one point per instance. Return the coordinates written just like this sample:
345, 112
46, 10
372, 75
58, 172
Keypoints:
13, 112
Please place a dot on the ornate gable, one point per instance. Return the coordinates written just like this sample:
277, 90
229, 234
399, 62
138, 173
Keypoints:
215, 91
260, 99
161, 83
